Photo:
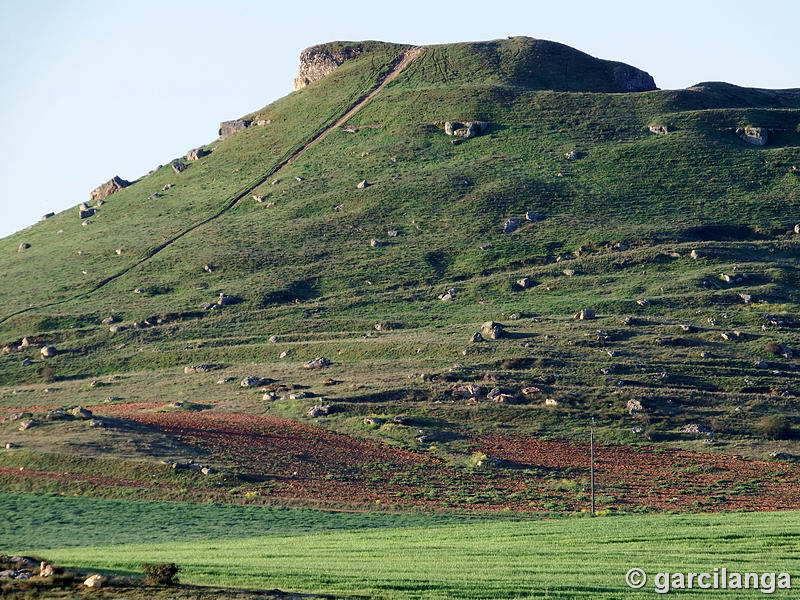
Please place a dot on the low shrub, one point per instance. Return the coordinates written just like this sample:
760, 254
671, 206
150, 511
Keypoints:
160, 573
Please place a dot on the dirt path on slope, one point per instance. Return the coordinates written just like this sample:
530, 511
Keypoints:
399, 65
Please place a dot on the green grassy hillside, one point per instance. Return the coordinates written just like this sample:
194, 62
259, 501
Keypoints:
614, 231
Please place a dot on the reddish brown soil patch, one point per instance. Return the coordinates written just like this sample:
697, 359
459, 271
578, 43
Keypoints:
649, 476
296, 461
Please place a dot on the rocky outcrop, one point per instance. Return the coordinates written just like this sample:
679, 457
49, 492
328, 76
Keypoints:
318, 61
757, 136
632, 79
467, 129
228, 128
197, 153
111, 186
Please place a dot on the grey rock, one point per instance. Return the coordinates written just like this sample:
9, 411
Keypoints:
19, 415
56, 414
631, 79
510, 226
375, 243
23, 246
189, 369
317, 363
26, 424
317, 61
492, 330
251, 381
228, 128
48, 351
476, 337
273, 339
109, 320
524, 283
585, 314
81, 413
660, 129
111, 186
197, 153
571, 155
319, 410
178, 166
47, 216
362, 184
757, 136
529, 216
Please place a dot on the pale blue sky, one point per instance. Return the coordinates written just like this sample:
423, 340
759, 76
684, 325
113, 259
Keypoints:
92, 89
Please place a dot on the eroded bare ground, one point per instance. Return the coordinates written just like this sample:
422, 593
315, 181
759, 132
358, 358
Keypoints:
286, 460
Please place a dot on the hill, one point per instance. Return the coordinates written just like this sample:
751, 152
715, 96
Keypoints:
532, 180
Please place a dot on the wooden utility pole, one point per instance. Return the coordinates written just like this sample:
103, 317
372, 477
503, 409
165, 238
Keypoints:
591, 449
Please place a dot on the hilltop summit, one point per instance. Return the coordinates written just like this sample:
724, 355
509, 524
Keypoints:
521, 61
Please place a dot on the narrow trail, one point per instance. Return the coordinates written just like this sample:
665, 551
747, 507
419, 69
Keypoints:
399, 65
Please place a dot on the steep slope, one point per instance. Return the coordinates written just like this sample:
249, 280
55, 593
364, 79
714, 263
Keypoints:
676, 239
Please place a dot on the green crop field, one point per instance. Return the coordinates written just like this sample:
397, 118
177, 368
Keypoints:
403, 556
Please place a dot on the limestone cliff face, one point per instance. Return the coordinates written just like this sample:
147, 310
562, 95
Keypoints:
318, 61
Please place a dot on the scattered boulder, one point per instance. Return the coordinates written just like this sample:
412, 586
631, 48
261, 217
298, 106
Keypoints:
117, 328
510, 226
476, 337
467, 129
392, 233
97, 423
571, 155
273, 339
47, 216
23, 246
551, 402
524, 282
81, 412
633, 406
18, 415
706, 354
111, 186
228, 128
375, 243
362, 184
48, 351
746, 298
94, 581
225, 299
26, 424
197, 153
569, 272
56, 414
448, 295
372, 421
659, 129
252, 381
196, 369
178, 166
492, 330
46, 569
529, 216
757, 136
694, 428
468, 391
317, 363
584, 314
166, 187
319, 410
